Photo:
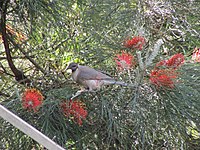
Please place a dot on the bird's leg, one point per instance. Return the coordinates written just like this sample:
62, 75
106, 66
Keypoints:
79, 93
76, 94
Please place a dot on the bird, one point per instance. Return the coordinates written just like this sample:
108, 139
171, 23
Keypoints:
91, 79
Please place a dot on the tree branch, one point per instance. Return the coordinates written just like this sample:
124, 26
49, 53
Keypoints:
19, 75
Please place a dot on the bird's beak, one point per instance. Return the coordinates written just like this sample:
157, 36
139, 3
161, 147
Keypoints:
68, 70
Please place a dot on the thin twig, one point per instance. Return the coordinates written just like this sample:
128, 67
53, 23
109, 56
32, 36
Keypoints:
16, 57
27, 56
4, 94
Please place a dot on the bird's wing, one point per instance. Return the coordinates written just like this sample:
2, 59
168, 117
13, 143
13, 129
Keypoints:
87, 73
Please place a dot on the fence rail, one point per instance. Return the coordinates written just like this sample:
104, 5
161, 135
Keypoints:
28, 129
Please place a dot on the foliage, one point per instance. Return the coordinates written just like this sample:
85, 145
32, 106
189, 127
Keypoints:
44, 36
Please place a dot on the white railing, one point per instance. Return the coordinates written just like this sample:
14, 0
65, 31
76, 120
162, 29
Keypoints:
28, 129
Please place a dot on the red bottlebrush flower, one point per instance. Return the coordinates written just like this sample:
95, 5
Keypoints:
136, 42
196, 55
175, 61
32, 99
161, 63
163, 77
75, 109
124, 61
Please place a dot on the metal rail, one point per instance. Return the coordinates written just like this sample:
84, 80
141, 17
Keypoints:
28, 129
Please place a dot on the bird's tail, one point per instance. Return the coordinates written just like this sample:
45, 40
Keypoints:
109, 82
124, 84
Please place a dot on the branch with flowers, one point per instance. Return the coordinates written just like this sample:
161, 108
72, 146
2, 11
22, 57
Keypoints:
160, 57
161, 89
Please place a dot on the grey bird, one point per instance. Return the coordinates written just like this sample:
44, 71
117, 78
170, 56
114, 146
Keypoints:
91, 79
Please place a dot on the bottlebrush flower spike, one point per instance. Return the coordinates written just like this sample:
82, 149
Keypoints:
175, 61
75, 109
124, 61
18, 35
136, 42
196, 55
163, 77
32, 99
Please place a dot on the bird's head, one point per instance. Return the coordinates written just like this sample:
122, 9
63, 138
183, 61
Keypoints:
73, 66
